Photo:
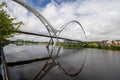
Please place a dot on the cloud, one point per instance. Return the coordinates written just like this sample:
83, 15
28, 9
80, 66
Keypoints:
100, 18
105, 20
31, 23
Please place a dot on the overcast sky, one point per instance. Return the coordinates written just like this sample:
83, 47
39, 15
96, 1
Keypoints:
100, 18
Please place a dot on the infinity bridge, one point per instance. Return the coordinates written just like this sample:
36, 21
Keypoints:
54, 34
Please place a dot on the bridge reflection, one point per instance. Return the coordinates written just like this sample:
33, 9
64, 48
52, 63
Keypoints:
52, 61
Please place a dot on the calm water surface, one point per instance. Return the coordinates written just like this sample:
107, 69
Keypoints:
99, 64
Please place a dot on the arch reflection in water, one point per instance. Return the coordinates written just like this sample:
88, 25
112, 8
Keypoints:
41, 69
54, 62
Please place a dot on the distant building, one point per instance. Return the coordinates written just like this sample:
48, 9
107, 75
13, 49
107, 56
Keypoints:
116, 42
110, 43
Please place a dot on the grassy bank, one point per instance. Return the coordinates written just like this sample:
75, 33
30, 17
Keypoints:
96, 45
71, 45
99, 46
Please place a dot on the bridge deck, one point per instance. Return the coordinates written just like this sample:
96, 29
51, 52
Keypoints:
29, 33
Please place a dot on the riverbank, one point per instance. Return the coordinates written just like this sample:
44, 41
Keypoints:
96, 45
70, 59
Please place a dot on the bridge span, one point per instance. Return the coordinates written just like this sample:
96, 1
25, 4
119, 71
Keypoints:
29, 33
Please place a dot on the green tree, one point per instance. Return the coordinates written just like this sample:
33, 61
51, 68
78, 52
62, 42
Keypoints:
8, 26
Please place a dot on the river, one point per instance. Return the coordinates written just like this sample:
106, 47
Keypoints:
97, 64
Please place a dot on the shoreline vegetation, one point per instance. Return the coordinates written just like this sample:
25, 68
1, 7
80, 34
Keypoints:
96, 45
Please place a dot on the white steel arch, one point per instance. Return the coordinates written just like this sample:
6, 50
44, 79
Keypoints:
73, 21
46, 23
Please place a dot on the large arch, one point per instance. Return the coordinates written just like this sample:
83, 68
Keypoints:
51, 30
45, 22
73, 21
